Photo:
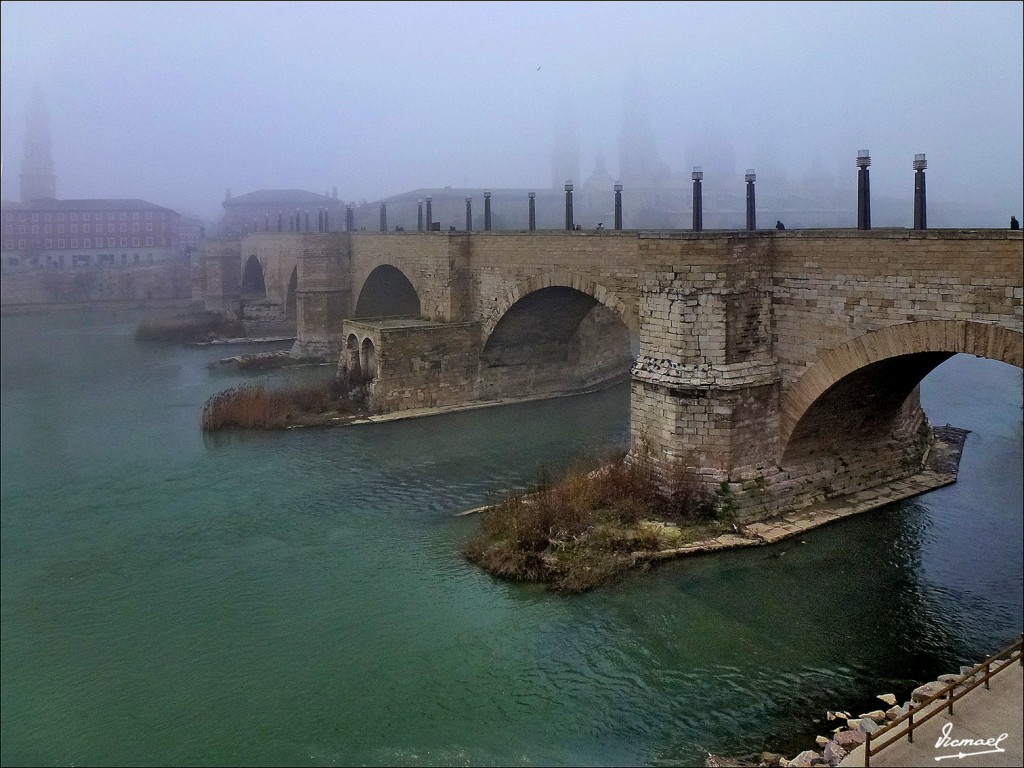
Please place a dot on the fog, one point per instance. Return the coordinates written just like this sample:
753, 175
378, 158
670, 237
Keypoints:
176, 102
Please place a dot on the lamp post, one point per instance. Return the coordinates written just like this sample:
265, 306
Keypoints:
383, 217
920, 206
568, 205
751, 177
469, 214
863, 190
698, 200
419, 215
618, 206
487, 211
430, 217
350, 219
533, 211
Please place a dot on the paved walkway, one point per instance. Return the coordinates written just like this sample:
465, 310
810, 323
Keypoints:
980, 715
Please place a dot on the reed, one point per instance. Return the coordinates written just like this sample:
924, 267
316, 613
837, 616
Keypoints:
253, 406
200, 327
584, 529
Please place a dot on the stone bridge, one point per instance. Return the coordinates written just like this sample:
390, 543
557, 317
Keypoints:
783, 363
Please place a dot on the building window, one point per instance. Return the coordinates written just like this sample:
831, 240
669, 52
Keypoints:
150, 258
110, 217
124, 258
149, 242
9, 229
110, 229
110, 242
21, 217
87, 243
136, 258
60, 217
136, 242
35, 217
35, 229
124, 227
86, 228
60, 229
21, 229
123, 216
49, 243
124, 242
135, 227
74, 217
21, 244
74, 229
48, 217
149, 227
74, 242
60, 243
149, 214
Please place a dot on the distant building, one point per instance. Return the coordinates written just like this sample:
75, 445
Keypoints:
285, 210
82, 233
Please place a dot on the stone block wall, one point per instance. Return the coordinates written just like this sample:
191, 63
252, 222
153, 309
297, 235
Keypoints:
417, 364
96, 284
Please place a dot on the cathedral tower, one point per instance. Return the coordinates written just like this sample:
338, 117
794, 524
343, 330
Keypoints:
38, 181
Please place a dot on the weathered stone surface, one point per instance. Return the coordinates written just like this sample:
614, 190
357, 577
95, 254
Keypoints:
849, 739
833, 753
803, 760
888, 698
876, 714
926, 691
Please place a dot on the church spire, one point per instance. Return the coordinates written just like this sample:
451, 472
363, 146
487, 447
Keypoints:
38, 181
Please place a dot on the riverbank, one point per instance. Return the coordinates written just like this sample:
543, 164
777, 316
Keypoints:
642, 541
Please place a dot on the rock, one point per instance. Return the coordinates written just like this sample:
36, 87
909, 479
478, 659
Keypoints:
948, 678
926, 691
770, 758
966, 671
849, 739
853, 724
876, 714
803, 760
888, 698
868, 725
821, 741
893, 713
843, 715
830, 715
833, 753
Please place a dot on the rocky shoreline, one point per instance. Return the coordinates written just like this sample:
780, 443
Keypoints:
853, 731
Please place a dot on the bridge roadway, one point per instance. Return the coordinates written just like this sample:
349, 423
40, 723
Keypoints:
980, 715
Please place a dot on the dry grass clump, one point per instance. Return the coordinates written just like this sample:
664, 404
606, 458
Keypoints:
254, 406
200, 327
587, 527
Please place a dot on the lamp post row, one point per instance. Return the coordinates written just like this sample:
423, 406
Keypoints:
295, 221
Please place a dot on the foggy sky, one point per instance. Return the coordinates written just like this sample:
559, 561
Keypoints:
175, 102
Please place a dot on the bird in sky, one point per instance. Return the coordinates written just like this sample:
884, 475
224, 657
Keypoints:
538, 69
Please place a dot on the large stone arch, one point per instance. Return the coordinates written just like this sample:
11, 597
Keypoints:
253, 278
911, 350
387, 290
573, 280
290, 304
555, 334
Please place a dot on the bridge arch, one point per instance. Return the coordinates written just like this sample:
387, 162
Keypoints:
572, 280
387, 292
554, 334
253, 280
900, 356
290, 294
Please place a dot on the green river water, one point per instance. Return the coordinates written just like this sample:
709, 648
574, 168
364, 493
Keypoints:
298, 597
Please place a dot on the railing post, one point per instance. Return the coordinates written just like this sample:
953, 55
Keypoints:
867, 752
949, 695
910, 727
987, 673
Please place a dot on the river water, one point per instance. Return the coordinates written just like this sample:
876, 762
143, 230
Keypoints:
298, 597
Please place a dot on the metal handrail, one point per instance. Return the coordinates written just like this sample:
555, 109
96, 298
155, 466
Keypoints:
947, 692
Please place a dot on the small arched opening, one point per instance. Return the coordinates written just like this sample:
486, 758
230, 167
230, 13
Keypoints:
290, 299
387, 292
368, 361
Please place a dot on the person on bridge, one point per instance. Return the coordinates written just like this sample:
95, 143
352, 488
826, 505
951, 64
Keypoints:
600, 227
1014, 224
779, 225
